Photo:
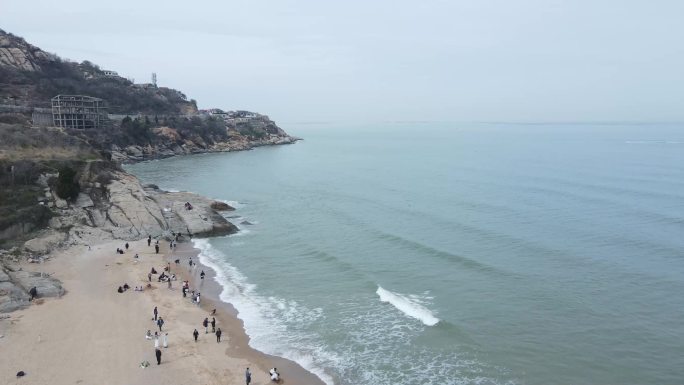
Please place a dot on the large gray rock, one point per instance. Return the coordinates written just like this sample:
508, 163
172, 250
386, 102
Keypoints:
14, 288
45, 285
202, 220
45, 243
130, 212
83, 201
221, 206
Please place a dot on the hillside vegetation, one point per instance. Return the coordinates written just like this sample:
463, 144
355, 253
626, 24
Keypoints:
30, 76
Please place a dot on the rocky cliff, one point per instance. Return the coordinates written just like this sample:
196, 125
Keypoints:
168, 148
111, 204
30, 76
62, 187
17, 53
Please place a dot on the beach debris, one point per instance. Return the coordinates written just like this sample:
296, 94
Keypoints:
21, 373
144, 364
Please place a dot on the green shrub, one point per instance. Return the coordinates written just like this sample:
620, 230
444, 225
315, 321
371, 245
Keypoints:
67, 185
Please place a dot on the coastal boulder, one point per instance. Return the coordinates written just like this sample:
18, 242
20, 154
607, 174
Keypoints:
221, 206
45, 243
203, 221
45, 285
130, 212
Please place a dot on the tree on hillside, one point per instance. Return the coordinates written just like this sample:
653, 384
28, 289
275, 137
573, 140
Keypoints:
67, 186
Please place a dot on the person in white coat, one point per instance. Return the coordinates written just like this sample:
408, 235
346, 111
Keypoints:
166, 340
156, 342
275, 376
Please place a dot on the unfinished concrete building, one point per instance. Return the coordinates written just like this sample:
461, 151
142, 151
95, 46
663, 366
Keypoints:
78, 111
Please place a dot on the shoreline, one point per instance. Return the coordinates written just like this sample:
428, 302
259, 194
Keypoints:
211, 289
134, 154
69, 254
95, 335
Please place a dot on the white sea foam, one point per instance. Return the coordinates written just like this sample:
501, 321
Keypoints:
409, 306
265, 318
243, 231
233, 204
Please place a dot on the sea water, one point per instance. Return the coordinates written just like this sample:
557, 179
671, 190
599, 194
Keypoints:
455, 253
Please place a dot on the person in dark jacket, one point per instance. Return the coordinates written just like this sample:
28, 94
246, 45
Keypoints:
218, 335
213, 324
160, 323
205, 323
195, 334
34, 293
157, 353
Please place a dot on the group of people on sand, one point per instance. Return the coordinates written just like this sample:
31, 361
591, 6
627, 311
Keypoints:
161, 338
123, 288
216, 331
195, 297
159, 321
273, 373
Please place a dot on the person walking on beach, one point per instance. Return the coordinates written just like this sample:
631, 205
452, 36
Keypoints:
218, 335
126, 245
205, 323
156, 342
197, 300
213, 324
160, 323
155, 312
202, 275
195, 334
157, 353
149, 240
156, 249
166, 340
248, 376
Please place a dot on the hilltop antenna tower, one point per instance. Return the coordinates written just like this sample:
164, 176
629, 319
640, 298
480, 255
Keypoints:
154, 78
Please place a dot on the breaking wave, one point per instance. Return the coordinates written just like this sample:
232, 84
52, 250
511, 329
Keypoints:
408, 306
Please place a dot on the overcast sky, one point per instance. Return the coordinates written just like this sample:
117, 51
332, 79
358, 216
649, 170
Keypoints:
384, 60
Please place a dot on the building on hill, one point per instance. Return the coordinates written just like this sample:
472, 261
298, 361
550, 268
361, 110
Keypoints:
78, 111
112, 74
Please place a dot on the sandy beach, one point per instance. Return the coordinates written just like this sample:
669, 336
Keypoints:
95, 335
